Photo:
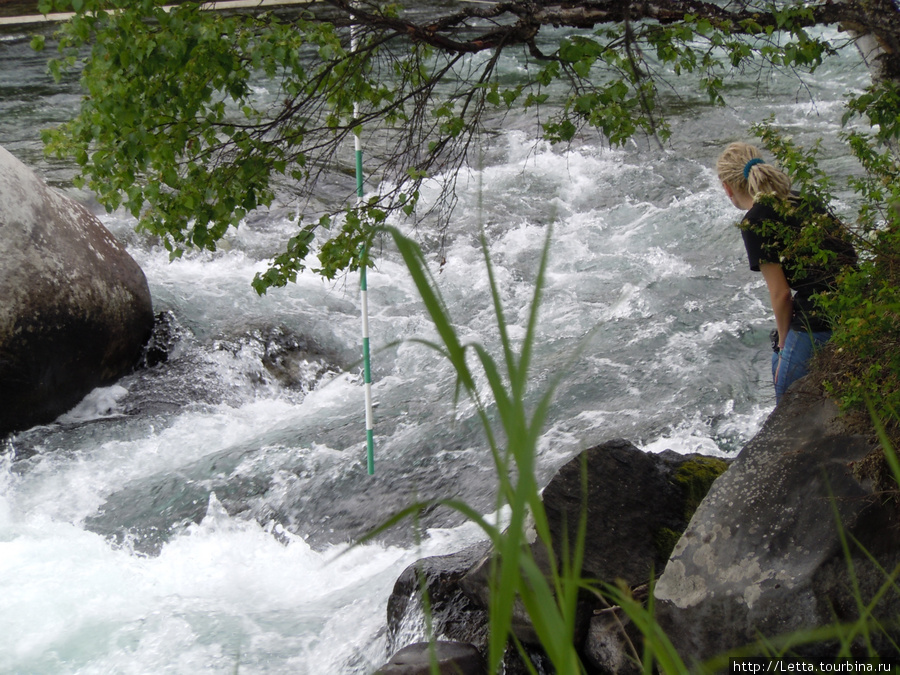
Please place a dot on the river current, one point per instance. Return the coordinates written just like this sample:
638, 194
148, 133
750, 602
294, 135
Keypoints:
195, 517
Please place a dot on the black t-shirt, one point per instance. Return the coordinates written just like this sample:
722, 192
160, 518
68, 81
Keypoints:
765, 232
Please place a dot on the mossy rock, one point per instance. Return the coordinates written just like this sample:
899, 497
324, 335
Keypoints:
665, 541
695, 477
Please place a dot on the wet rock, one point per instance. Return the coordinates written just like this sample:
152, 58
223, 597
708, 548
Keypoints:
75, 308
636, 504
294, 360
454, 615
166, 334
613, 643
763, 553
451, 658
178, 371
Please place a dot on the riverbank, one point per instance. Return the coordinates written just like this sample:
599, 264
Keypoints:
10, 8
24, 12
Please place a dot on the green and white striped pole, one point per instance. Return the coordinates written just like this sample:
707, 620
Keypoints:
367, 367
363, 292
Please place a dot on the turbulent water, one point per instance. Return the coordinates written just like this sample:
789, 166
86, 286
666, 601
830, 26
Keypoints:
194, 518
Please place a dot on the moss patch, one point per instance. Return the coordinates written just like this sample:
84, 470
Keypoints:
695, 477
665, 541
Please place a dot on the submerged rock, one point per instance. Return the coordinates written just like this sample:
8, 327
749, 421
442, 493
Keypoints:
75, 308
763, 554
453, 614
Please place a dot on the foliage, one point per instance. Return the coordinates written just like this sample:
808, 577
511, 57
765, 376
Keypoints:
868, 339
192, 119
171, 127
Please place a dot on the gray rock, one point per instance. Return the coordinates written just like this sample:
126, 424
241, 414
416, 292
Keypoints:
613, 643
452, 658
763, 553
454, 615
475, 584
632, 497
75, 308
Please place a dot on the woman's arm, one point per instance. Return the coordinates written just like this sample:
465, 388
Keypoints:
780, 295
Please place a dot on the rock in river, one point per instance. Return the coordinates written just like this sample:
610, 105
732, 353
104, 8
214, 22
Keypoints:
75, 308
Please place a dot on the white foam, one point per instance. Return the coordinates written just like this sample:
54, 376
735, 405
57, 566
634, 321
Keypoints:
224, 594
101, 403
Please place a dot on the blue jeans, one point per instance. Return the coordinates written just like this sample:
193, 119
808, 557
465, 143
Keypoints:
792, 362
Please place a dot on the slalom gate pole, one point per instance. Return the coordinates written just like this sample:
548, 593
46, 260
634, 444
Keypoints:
367, 368
363, 291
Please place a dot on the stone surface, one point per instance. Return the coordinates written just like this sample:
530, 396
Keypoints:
631, 497
75, 308
632, 501
451, 658
613, 644
454, 615
763, 552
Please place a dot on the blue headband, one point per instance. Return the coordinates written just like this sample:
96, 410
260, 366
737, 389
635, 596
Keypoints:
749, 165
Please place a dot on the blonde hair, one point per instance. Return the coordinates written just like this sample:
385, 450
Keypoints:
761, 178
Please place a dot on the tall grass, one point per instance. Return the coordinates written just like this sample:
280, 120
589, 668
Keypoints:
549, 596
512, 429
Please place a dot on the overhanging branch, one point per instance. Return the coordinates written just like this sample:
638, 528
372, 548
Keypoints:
488, 25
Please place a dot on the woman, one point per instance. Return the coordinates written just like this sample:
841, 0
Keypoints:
769, 229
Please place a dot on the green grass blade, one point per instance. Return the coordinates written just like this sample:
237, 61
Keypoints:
434, 304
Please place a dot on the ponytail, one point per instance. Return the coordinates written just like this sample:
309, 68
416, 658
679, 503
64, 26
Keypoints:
742, 167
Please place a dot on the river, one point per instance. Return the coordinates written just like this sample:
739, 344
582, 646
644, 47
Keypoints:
195, 517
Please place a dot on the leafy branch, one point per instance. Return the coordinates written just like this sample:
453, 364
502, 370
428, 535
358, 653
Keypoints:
192, 119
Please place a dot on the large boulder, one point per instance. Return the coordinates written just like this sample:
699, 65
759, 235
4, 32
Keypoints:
763, 554
636, 505
75, 308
